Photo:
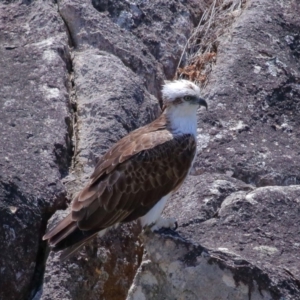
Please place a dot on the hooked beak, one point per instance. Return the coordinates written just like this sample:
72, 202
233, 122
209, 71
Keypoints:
202, 102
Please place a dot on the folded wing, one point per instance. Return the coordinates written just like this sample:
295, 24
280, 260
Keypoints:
127, 182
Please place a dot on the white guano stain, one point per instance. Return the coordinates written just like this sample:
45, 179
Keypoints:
50, 92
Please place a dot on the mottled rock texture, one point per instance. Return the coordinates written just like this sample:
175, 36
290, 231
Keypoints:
242, 246
78, 75
253, 124
244, 207
35, 137
104, 269
188, 272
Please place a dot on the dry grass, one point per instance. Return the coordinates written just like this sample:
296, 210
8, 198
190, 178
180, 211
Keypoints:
200, 52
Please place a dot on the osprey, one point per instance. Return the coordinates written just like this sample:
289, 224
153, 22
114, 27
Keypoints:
136, 177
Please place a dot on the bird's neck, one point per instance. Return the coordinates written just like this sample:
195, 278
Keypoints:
181, 121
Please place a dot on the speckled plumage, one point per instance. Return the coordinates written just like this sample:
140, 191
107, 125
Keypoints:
130, 179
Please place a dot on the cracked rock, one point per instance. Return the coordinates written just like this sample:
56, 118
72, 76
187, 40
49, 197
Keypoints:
253, 95
78, 75
34, 117
247, 250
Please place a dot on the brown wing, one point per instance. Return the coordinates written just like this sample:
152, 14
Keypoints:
140, 139
127, 182
135, 185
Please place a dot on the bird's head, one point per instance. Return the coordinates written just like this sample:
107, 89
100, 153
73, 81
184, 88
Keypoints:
182, 95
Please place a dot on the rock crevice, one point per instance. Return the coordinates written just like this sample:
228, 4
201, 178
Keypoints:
79, 75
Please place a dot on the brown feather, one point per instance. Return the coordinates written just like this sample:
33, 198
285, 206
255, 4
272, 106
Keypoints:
58, 227
75, 247
66, 231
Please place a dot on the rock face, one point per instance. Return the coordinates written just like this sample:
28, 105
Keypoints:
104, 269
186, 271
248, 233
35, 134
78, 75
249, 244
253, 127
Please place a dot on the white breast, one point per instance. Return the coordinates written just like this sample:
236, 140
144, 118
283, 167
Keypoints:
183, 119
154, 213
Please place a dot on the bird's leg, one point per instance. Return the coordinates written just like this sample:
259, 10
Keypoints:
164, 223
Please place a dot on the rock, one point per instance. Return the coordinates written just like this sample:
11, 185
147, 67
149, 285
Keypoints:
122, 29
105, 89
186, 271
35, 150
103, 118
200, 198
78, 75
249, 247
104, 268
252, 126
261, 226
238, 232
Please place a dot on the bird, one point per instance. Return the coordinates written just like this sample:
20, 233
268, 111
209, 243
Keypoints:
136, 177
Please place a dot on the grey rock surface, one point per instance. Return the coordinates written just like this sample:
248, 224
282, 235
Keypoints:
105, 88
188, 272
148, 36
252, 128
35, 148
111, 102
251, 236
78, 75
200, 197
104, 269
243, 206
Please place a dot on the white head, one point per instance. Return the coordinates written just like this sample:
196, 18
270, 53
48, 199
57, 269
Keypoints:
181, 101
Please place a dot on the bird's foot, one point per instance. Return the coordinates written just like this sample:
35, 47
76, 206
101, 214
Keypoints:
170, 223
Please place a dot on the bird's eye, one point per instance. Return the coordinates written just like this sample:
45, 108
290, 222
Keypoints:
188, 98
